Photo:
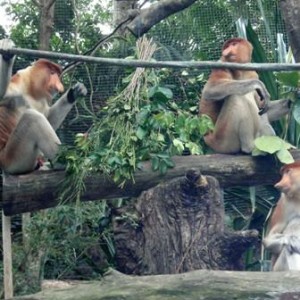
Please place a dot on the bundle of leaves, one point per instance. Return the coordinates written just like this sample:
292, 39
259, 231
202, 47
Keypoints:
142, 122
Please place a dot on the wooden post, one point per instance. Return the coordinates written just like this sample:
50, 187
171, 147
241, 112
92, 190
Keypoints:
7, 257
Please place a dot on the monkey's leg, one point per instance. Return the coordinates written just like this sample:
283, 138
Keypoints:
265, 126
33, 135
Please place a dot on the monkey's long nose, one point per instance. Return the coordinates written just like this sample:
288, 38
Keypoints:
283, 185
59, 87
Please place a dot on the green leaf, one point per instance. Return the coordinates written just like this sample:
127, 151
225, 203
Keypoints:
285, 156
178, 144
141, 133
256, 152
194, 148
290, 79
296, 111
163, 167
169, 162
269, 144
155, 163
166, 92
160, 93
160, 137
259, 55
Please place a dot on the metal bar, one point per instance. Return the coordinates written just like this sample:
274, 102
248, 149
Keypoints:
155, 64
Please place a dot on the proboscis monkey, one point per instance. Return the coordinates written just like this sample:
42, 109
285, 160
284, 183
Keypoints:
283, 232
27, 119
236, 101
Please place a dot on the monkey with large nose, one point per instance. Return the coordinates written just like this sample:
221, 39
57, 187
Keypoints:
283, 233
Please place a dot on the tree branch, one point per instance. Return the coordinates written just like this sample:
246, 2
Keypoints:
147, 18
41, 189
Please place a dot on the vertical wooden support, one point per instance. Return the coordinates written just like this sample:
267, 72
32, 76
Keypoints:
7, 257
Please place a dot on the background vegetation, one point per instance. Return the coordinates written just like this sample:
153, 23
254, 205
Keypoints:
121, 124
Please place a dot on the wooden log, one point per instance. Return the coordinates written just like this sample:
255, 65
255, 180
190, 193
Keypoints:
195, 285
178, 226
40, 189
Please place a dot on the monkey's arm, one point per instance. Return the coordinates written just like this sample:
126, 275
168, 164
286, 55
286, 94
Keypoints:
63, 105
278, 108
220, 89
275, 242
6, 65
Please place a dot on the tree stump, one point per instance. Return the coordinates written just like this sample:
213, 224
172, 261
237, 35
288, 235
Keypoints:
177, 227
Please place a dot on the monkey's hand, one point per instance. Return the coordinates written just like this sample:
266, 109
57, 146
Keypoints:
293, 245
262, 98
6, 44
76, 91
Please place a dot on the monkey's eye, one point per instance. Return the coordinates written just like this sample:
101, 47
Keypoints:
288, 171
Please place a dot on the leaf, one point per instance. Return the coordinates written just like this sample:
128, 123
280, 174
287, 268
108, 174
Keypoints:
141, 133
151, 91
155, 163
166, 92
256, 152
296, 111
160, 137
169, 162
194, 148
269, 144
163, 167
178, 144
285, 156
160, 93
259, 56
290, 79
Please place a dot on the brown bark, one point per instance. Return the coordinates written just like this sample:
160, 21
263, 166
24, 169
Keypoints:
157, 12
291, 14
123, 10
46, 8
177, 227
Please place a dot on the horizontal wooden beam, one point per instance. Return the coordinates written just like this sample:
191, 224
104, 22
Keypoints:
41, 189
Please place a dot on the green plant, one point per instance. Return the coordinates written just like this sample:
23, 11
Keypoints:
142, 122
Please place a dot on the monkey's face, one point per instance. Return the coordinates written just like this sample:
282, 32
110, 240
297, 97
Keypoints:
237, 51
54, 84
290, 184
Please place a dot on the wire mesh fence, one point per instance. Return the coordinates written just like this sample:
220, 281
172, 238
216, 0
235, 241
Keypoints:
195, 34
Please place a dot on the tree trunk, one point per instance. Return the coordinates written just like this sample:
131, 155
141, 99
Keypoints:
46, 23
177, 227
291, 15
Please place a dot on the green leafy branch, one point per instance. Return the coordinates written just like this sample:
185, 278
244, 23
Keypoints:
142, 122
